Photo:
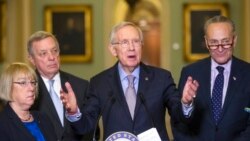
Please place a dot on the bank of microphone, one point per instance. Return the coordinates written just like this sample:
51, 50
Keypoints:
146, 108
108, 103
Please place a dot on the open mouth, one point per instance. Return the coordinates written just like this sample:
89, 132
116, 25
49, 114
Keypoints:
131, 56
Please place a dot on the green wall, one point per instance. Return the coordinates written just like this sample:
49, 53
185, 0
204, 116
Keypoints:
83, 70
177, 32
86, 70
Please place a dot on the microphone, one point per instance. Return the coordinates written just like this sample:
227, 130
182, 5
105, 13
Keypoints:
111, 99
146, 108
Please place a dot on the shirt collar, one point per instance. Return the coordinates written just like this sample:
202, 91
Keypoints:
56, 78
226, 66
123, 74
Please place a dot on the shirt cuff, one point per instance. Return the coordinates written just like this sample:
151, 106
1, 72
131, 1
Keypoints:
75, 117
187, 109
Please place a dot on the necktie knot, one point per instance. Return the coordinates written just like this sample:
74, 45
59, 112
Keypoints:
220, 69
51, 83
131, 79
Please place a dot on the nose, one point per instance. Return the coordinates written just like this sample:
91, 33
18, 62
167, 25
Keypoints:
131, 45
220, 48
51, 56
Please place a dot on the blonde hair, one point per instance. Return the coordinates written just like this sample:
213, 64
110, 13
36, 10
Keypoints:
7, 77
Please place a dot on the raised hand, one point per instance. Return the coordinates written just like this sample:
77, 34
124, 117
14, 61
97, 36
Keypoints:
189, 91
69, 99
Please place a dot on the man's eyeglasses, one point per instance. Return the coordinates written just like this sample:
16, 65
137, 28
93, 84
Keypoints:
126, 43
26, 83
213, 45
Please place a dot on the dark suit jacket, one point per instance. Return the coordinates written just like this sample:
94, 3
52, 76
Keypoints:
106, 97
44, 103
235, 122
12, 128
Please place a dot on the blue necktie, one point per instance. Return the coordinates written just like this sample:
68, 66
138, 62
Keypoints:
217, 94
56, 101
130, 95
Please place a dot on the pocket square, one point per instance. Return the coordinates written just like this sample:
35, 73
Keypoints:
247, 109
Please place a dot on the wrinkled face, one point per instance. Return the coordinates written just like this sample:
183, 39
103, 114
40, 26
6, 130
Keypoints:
23, 92
127, 48
220, 42
45, 57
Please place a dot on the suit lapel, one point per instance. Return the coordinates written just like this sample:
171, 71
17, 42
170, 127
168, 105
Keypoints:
144, 82
45, 103
205, 86
207, 82
233, 84
115, 84
205, 79
17, 122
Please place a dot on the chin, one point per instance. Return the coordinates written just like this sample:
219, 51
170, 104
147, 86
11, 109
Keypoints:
222, 61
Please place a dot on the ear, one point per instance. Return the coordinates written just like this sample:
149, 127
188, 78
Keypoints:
112, 50
206, 42
235, 40
31, 59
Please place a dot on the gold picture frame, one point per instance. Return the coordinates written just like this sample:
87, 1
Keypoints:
195, 16
72, 26
3, 17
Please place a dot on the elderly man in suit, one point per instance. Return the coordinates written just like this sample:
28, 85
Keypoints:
43, 51
130, 96
220, 107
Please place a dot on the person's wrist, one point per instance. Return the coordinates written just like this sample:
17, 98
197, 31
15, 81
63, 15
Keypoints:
186, 102
72, 112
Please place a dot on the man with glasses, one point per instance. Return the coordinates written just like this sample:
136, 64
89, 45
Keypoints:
219, 110
130, 96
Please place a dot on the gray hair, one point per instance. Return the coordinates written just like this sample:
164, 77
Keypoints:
117, 27
38, 36
219, 19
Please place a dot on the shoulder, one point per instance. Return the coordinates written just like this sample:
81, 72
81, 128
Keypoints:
40, 117
7, 113
240, 63
109, 72
155, 73
198, 64
3, 118
240, 66
71, 78
154, 70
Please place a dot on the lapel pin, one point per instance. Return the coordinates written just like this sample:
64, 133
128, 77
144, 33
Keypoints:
146, 78
234, 78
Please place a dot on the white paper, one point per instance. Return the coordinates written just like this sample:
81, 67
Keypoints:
149, 135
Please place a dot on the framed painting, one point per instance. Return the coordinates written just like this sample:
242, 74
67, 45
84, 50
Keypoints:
2, 28
195, 16
72, 26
